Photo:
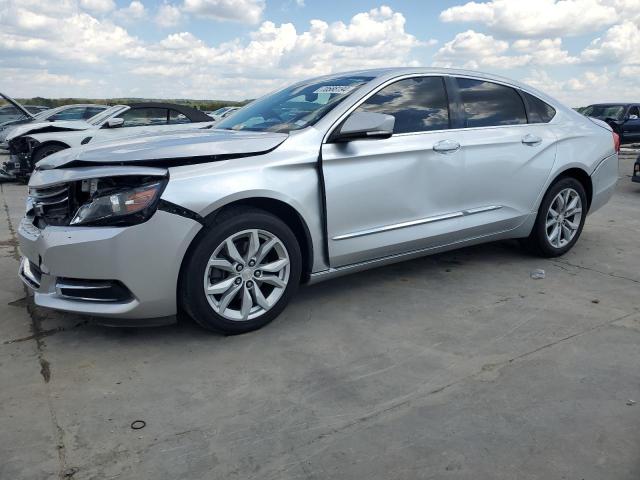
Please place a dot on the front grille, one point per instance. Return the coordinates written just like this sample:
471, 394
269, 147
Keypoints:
50, 205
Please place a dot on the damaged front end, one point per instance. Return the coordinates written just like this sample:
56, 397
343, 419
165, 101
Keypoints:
125, 199
20, 162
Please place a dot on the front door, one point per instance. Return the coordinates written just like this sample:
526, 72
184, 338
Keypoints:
388, 196
631, 126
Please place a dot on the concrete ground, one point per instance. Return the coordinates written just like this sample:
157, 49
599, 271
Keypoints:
454, 366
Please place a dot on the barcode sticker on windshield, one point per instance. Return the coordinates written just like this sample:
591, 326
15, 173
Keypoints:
335, 89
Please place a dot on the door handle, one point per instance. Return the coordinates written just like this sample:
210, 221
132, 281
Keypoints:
531, 140
446, 146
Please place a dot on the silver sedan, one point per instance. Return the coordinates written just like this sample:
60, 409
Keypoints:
326, 177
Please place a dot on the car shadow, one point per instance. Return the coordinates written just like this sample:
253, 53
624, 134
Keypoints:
185, 329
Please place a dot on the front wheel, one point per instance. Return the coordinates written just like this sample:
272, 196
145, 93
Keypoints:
242, 272
560, 219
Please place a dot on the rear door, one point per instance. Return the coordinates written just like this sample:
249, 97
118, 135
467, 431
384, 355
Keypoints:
388, 196
506, 157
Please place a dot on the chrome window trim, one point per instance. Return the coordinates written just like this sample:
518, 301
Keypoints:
442, 75
413, 223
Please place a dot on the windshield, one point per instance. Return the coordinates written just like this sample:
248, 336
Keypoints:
604, 111
102, 116
295, 107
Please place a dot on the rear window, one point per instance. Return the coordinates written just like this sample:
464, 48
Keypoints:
490, 104
539, 111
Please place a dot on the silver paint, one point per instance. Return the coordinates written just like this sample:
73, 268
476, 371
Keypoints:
403, 182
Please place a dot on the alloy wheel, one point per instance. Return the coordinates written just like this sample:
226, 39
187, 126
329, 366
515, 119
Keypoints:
246, 275
563, 218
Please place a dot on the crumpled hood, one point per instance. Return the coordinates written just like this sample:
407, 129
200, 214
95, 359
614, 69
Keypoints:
37, 127
168, 149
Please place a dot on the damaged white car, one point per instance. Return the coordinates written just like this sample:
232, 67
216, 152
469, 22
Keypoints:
31, 142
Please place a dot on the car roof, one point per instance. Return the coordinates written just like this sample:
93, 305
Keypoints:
390, 73
612, 104
191, 113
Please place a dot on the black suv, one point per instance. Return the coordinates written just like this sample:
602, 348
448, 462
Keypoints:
624, 118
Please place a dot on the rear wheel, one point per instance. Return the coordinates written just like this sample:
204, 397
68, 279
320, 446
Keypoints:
560, 219
242, 272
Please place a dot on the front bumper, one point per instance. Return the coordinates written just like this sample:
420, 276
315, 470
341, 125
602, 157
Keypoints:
145, 258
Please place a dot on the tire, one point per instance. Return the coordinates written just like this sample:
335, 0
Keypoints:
46, 150
542, 241
213, 264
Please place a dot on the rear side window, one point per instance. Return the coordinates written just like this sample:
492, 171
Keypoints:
539, 111
634, 111
489, 104
144, 117
418, 104
177, 117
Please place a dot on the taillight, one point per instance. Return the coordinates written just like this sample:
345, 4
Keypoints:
616, 142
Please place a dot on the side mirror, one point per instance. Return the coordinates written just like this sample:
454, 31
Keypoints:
115, 122
361, 125
633, 117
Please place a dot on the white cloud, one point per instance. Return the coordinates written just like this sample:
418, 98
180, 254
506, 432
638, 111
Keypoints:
67, 34
630, 71
547, 51
619, 44
472, 50
98, 6
135, 11
539, 18
369, 28
168, 16
244, 11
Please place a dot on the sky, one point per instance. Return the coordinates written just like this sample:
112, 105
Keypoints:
579, 51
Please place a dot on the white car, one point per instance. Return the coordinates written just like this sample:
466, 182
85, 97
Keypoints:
46, 117
30, 143
223, 112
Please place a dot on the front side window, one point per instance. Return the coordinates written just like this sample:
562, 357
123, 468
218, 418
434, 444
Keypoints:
69, 114
418, 104
634, 111
101, 117
489, 104
144, 117
539, 111
295, 107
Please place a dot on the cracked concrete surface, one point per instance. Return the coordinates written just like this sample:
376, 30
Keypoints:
452, 366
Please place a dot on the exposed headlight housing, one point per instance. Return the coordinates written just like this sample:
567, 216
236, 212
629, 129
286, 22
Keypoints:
115, 203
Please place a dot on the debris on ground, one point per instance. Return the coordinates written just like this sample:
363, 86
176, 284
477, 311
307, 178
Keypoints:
631, 402
537, 274
138, 424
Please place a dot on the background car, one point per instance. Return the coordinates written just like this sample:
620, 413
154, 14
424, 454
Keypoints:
65, 112
30, 143
223, 112
624, 118
10, 110
327, 177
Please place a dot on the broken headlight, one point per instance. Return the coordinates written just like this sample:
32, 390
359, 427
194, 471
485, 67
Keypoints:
118, 204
